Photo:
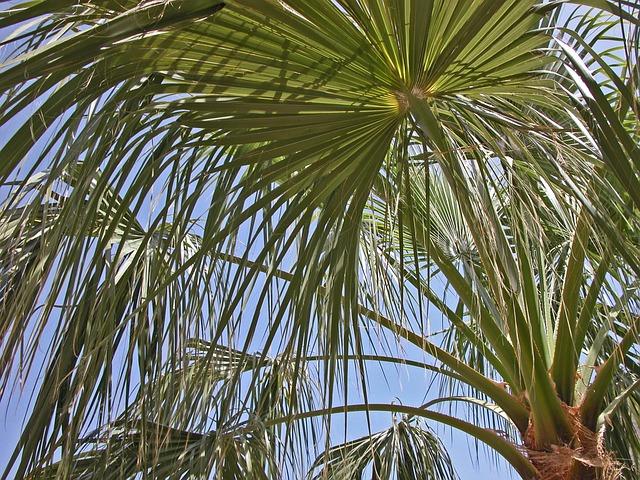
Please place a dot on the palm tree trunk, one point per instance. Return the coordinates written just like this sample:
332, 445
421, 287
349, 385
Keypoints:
583, 458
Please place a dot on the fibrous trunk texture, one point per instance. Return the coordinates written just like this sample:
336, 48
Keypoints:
583, 457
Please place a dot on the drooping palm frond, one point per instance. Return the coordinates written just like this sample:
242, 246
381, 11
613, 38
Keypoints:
130, 449
241, 426
406, 450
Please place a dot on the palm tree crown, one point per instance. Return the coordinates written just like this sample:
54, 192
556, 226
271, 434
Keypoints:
218, 217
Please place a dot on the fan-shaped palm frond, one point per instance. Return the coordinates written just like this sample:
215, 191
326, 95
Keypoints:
406, 450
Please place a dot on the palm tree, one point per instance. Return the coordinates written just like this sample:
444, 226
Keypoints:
219, 217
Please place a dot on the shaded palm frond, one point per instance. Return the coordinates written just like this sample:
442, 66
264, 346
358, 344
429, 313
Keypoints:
407, 450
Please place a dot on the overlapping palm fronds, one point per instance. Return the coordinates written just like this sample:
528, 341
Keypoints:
216, 214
